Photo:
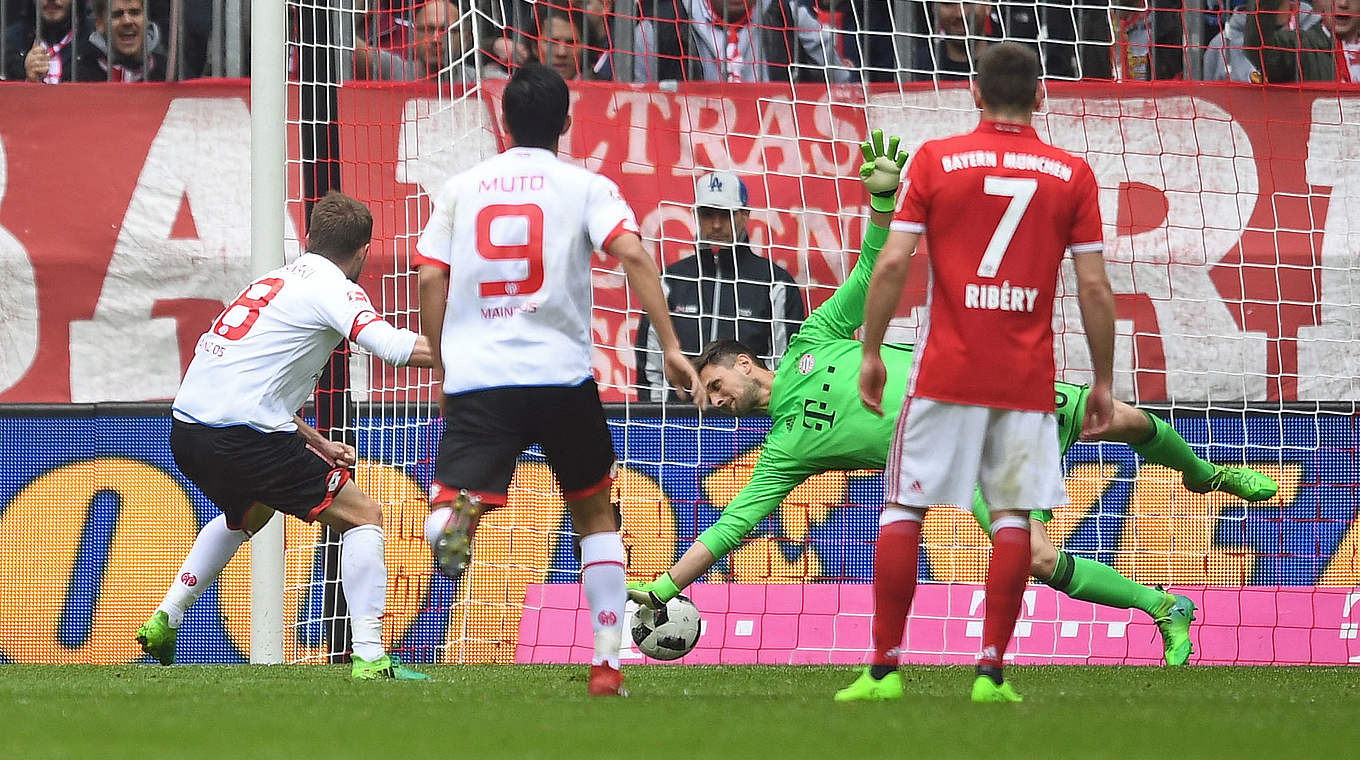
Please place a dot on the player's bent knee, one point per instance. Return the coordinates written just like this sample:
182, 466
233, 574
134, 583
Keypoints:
351, 508
594, 514
1043, 559
256, 518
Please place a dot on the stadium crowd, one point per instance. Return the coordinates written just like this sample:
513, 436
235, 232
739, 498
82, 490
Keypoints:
835, 41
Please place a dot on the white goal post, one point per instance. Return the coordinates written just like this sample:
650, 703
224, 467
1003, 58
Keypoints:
268, 156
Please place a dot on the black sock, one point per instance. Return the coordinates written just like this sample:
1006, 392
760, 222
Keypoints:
1062, 572
991, 671
879, 672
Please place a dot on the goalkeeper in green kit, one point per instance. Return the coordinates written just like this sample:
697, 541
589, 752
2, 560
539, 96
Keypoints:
819, 424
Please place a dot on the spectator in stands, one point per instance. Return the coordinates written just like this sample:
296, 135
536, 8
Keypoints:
873, 23
965, 29
503, 52
47, 57
1029, 22
196, 20
1146, 42
959, 27
433, 39
725, 290
1225, 57
1292, 46
735, 41
124, 46
595, 36
559, 43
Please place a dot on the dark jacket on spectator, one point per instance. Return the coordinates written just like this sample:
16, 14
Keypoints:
1165, 41
940, 66
92, 60
730, 293
1023, 22
790, 43
1304, 54
19, 40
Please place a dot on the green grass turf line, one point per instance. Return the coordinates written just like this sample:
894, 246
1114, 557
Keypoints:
474, 712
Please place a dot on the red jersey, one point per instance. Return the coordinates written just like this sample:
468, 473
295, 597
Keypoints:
998, 208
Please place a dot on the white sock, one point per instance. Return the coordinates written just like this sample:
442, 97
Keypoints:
602, 574
434, 524
212, 550
363, 575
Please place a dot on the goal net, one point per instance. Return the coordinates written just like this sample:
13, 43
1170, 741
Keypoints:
1228, 246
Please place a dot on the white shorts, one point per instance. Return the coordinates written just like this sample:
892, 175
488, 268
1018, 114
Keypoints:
941, 451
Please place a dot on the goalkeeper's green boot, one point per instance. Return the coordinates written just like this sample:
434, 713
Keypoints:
158, 638
1173, 620
387, 666
985, 690
1242, 482
867, 688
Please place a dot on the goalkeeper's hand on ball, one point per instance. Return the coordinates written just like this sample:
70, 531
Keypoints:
882, 170
653, 594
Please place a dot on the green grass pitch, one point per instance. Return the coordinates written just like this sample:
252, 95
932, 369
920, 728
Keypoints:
242, 712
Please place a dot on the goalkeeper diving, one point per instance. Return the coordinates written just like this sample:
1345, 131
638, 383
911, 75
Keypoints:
819, 424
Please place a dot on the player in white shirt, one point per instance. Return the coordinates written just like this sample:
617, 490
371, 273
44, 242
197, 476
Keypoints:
237, 436
505, 299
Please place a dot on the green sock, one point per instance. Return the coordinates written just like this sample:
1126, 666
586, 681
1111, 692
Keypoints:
1167, 447
981, 513
1097, 583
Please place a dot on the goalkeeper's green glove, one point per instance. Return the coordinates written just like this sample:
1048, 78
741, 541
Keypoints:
654, 594
882, 170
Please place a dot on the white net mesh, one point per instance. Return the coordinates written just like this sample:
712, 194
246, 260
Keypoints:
1236, 316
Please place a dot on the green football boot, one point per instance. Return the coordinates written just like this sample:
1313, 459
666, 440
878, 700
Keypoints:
1173, 620
158, 638
385, 667
1242, 482
867, 689
985, 690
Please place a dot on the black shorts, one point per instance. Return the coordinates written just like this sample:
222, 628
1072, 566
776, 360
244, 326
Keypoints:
237, 466
485, 432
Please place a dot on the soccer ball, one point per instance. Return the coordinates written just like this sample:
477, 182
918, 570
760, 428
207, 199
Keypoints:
668, 633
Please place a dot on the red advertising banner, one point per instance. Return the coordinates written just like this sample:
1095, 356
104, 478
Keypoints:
124, 216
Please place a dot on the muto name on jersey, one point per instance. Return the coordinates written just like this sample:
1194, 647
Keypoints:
512, 184
1001, 297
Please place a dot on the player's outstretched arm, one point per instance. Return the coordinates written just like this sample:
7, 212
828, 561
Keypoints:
645, 282
1096, 300
774, 477
885, 292
691, 566
842, 314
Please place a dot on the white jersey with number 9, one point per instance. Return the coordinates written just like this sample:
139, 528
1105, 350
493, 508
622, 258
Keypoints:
516, 233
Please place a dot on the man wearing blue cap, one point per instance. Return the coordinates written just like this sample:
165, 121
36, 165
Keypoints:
725, 290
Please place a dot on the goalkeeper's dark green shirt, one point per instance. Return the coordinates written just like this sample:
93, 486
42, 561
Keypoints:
818, 422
